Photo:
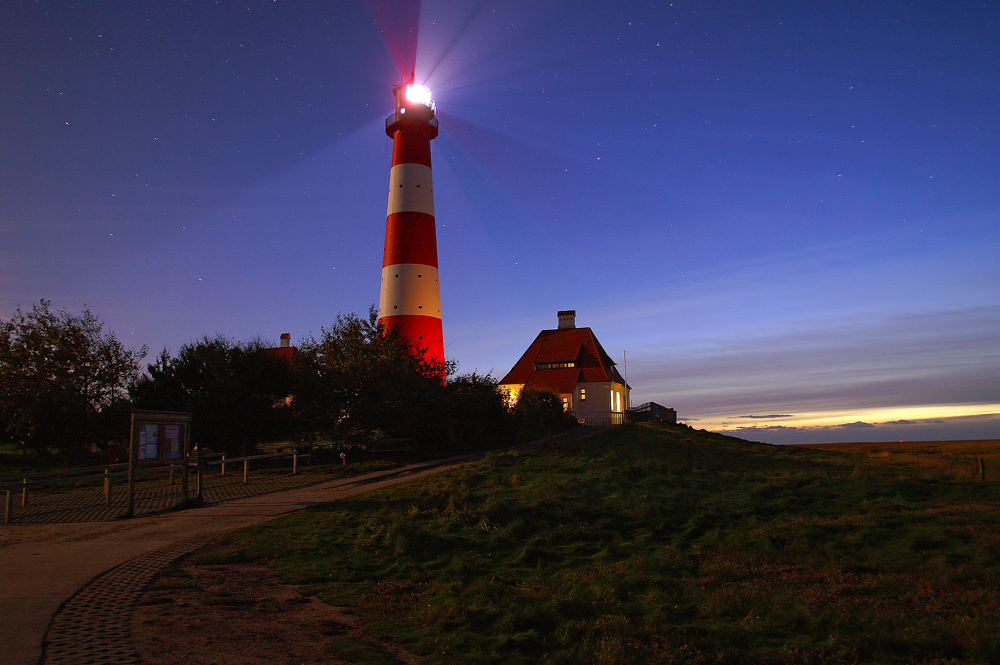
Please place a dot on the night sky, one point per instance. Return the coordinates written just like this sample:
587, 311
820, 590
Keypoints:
784, 214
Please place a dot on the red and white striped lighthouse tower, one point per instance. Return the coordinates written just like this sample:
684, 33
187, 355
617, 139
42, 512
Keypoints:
410, 297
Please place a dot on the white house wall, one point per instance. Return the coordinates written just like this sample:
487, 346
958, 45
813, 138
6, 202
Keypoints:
596, 403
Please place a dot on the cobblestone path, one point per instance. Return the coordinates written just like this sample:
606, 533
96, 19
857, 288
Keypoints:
94, 626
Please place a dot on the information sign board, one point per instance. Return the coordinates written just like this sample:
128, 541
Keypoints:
158, 437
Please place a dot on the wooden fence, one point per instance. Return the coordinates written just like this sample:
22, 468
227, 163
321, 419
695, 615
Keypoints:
111, 474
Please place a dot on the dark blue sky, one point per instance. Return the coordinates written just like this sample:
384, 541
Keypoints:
786, 214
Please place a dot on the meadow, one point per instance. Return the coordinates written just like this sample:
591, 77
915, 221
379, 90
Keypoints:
640, 547
958, 459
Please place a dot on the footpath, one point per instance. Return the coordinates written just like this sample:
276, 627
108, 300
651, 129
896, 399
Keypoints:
67, 591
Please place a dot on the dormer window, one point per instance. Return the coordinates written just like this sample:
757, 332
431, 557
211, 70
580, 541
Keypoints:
539, 366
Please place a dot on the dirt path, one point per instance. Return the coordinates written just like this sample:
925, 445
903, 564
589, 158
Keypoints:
239, 614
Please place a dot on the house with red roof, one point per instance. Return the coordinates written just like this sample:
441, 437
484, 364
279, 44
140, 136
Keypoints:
286, 351
571, 363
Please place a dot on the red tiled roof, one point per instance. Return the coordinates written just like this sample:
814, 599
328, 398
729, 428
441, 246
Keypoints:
576, 345
287, 353
560, 381
559, 349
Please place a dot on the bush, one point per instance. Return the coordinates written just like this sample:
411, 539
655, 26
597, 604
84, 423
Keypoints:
539, 413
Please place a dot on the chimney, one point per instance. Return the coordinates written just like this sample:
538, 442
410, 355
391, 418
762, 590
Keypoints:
567, 319
286, 340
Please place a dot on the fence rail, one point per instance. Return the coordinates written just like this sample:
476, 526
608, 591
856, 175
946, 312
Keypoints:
602, 419
61, 472
81, 477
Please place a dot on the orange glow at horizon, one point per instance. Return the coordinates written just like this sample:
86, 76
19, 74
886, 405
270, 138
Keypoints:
832, 418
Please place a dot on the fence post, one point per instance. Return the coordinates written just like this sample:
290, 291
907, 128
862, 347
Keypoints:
223, 464
982, 469
201, 476
295, 463
107, 486
133, 458
246, 470
6, 509
24, 492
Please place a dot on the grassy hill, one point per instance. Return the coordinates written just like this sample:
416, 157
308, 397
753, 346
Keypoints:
638, 547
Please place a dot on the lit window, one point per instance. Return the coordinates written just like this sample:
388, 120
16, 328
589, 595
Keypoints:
565, 403
583, 394
540, 366
618, 399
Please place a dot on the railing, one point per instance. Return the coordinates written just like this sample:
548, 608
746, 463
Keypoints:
393, 118
67, 476
223, 461
23, 482
602, 419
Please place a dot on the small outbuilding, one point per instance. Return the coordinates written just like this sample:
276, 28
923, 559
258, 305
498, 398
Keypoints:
571, 363
651, 411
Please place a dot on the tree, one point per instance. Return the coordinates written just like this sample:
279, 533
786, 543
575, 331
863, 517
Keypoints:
362, 382
478, 413
61, 379
235, 391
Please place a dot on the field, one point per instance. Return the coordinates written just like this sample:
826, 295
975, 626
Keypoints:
984, 447
639, 547
958, 459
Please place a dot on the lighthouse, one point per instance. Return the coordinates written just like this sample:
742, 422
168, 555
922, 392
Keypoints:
410, 297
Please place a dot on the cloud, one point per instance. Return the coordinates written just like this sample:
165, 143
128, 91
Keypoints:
946, 357
772, 415
932, 429
784, 428
769, 428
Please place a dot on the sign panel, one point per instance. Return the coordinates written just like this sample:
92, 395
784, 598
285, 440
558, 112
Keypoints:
149, 448
173, 442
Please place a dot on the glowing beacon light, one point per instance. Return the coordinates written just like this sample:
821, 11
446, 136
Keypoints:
418, 94
410, 297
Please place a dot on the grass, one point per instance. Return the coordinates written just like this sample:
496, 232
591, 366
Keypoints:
636, 548
957, 459
355, 650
